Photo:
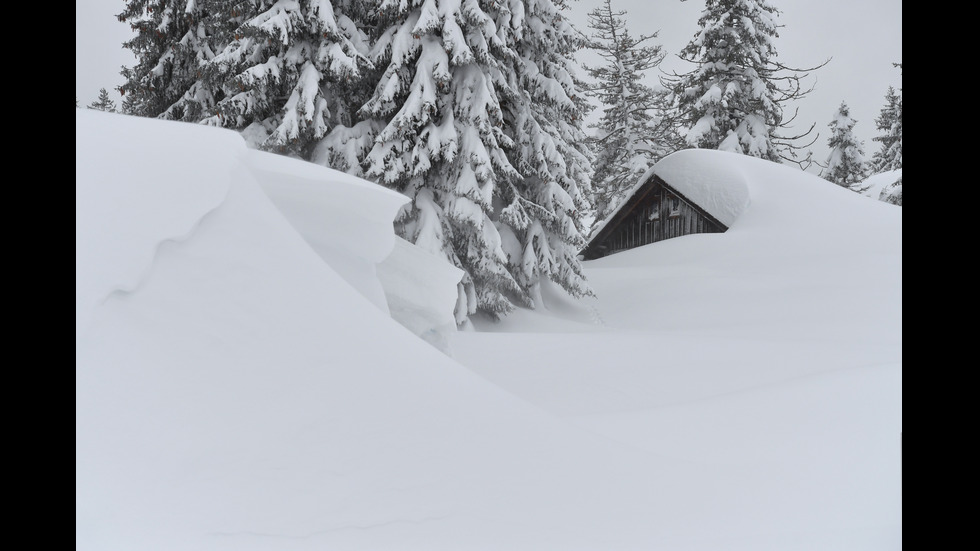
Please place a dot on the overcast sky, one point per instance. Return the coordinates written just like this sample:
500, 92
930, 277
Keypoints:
862, 37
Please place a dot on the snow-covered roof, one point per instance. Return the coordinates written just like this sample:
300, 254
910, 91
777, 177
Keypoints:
702, 177
725, 184
709, 178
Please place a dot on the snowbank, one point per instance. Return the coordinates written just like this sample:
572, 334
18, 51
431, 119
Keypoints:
345, 219
421, 290
762, 366
245, 396
240, 386
121, 214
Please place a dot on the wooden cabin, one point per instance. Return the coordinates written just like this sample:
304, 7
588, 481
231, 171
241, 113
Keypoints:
653, 213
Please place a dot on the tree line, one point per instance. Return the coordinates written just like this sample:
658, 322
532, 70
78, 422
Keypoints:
473, 109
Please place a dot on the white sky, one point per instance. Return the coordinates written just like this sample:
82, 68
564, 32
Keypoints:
864, 38
242, 382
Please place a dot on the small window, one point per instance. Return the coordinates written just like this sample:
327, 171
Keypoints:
675, 206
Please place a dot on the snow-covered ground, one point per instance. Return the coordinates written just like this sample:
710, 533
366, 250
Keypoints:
262, 364
886, 186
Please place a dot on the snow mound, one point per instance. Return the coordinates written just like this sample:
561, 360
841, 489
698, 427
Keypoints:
120, 217
761, 366
345, 219
421, 289
244, 395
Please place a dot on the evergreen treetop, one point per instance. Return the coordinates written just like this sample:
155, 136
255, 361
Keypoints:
170, 39
734, 99
632, 133
845, 162
103, 103
889, 123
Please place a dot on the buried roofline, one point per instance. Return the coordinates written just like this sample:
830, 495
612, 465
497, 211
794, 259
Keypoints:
627, 207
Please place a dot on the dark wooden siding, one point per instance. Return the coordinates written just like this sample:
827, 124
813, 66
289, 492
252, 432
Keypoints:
654, 213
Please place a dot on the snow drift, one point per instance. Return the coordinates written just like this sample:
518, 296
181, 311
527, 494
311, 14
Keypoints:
241, 382
233, 391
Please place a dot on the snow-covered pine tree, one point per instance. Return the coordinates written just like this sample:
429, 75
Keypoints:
889, 122
630, 137
480, 132
104, 102
542, 214
469, 107
170, 41
734, 98
845, 162
889, 157
443, 140
285, 74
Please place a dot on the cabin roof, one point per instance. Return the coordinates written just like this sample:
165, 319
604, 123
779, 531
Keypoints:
625, 212
701, 176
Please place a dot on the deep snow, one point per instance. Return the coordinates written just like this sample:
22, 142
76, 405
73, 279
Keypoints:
255, 369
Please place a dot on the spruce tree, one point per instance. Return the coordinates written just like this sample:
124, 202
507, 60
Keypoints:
482, 129
103, 103
631, 135
442, 143
845, 163
889, 122
543, 114
734, 98
171, 39
289, 72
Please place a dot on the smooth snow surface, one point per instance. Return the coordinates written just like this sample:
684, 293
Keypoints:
253, 370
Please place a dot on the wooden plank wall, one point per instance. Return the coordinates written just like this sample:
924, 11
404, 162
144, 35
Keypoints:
641, 229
